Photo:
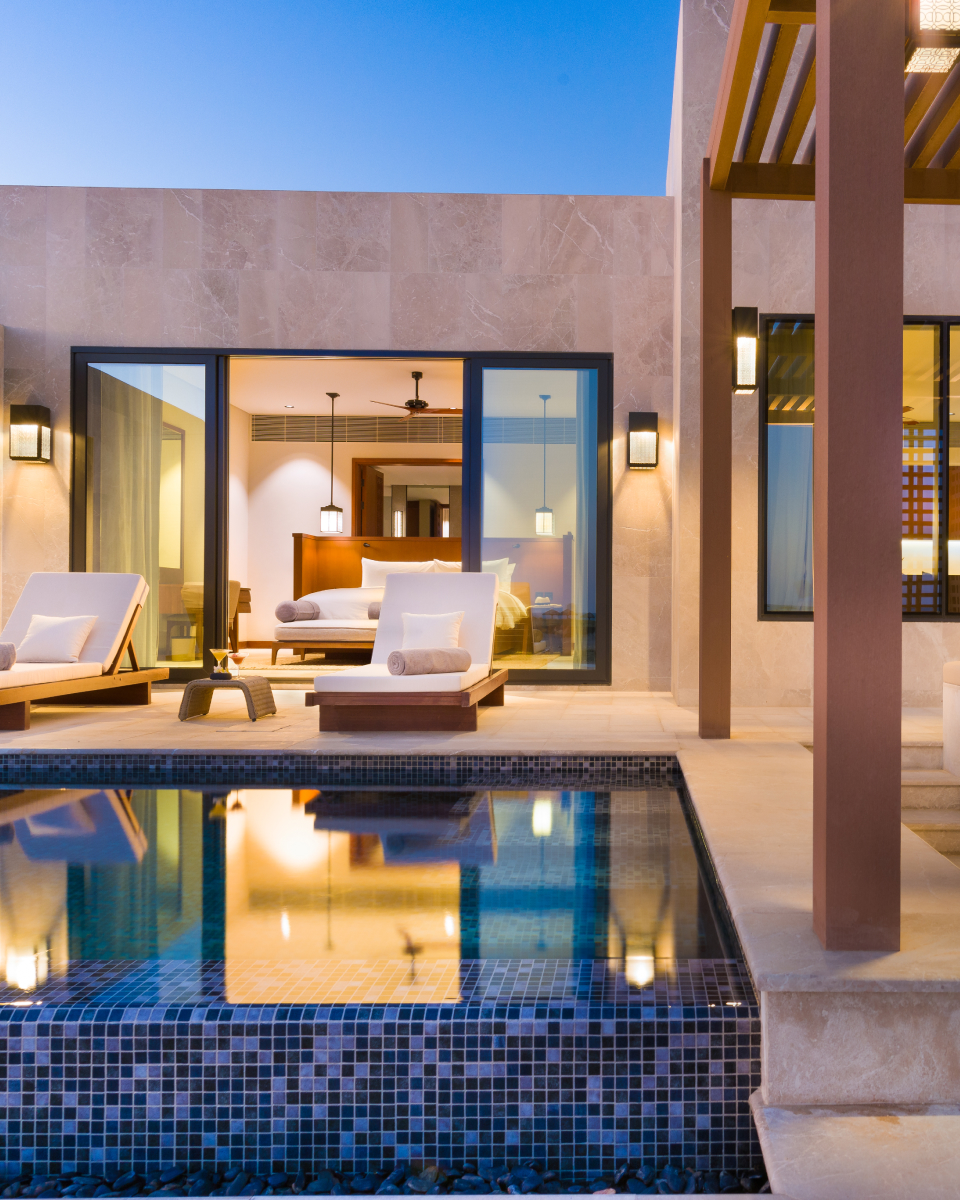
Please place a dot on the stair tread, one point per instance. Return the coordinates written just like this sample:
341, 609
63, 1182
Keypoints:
929, 777
930, 818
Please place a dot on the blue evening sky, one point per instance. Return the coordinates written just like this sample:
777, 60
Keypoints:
358, 95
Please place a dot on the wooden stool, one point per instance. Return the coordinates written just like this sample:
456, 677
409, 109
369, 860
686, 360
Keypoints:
198, 694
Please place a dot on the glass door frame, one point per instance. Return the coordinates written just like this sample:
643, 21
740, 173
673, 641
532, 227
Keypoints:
216, 479
473, 368
216, 517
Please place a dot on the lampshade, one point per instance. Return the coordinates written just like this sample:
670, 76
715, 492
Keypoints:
545, 521
643, 449
29, 433
331, 519
746, 326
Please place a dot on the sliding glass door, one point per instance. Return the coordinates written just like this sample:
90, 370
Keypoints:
540, 433
142, 496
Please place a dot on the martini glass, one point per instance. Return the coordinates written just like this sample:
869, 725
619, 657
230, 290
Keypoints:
220, 672
237, 656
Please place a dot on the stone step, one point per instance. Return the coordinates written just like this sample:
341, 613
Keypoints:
938, 828
929, 789
922, 756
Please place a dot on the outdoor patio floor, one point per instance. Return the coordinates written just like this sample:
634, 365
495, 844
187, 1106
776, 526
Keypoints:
534, 720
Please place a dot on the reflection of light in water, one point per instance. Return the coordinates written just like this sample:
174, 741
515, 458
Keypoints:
449, 925
639, 969
542, 820
283, 831
285, 926
21, 970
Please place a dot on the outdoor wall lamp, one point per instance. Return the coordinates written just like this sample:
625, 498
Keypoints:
746, 326
933, 35
331, 517
29, 433
643, 449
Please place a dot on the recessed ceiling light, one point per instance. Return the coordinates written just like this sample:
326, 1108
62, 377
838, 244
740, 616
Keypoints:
288, 406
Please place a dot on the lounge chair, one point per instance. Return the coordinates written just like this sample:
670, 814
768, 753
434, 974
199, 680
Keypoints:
369, 698
116, 601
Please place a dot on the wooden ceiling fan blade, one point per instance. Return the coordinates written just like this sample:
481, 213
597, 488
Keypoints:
445, 411
387, 405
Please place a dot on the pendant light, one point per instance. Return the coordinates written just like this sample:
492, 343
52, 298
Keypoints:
331, 517
544, 514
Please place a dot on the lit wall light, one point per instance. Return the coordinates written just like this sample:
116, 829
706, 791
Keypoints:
285, 927
449, 925
29, 433
746, 326
643, 452
398, 522
542, 819
934, 36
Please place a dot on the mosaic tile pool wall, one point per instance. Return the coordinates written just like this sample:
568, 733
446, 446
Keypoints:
579, 1085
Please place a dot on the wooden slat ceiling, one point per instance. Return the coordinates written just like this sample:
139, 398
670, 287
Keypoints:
763, 138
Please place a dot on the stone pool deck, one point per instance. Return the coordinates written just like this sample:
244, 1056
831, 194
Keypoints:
860, 1051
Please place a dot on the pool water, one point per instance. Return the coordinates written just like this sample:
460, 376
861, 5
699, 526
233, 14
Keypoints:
346, 895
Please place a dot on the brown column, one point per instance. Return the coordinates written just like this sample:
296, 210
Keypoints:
716, 415
857, 452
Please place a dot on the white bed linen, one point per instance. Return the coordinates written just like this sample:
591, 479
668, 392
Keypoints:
343, 604
326, 631
376, 678
22, 674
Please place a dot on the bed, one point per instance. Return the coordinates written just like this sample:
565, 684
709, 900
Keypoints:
344, 575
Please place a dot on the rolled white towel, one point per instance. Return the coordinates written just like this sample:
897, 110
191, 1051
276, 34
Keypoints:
298, 610
373, 610
8, 655
427, 662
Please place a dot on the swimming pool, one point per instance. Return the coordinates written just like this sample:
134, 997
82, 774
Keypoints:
354, 976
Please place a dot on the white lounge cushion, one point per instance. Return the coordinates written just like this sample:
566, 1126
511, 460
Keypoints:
474, 593
112, 596
326, 631
344, 604
374, 572
431, 631
54, 639
376, 678
23, 674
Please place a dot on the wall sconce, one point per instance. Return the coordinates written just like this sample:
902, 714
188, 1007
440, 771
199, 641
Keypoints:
29, 433
746, 327
643, 436
934, 36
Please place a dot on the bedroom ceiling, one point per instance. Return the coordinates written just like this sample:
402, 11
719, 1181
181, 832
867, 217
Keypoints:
270, 385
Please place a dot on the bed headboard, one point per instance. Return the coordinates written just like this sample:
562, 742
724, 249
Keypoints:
321, 562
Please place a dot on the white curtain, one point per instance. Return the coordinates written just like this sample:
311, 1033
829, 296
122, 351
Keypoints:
584, 617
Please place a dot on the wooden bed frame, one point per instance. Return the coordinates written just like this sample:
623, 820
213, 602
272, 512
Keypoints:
112, 687
407, 712
322, 562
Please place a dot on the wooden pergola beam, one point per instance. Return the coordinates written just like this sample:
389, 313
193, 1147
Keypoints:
743, 46
793, 12
772, 86
796, 181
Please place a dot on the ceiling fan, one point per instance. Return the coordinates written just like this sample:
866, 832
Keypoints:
417, 406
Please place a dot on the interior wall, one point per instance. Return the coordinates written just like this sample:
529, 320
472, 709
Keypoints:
287, 485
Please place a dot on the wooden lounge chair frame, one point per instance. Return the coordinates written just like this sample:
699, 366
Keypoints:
112, 687
407, 712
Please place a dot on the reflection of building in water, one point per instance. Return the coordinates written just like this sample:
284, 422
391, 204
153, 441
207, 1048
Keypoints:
40, 833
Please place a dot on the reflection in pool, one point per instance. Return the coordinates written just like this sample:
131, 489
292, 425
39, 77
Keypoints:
345, 894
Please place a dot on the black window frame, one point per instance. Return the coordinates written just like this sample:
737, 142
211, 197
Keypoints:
945, 324
216, 521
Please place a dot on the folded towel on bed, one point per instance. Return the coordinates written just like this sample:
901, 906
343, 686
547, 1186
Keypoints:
373, 610
298, 610
428, 662
8, 655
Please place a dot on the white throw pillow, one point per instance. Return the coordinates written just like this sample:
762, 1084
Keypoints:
441, 565
54, 639
501, 567
344, 604
374, 572
431, 631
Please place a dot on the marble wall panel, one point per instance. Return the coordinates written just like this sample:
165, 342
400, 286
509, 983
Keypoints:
23, 226
182, 228
297, 231
464, 234
258, 309
201, 308
239, 231
643, 235
333, 310
124, 227
426, 311
595, 307
539, 312
520, 231
408, 233
353, 231
577, 235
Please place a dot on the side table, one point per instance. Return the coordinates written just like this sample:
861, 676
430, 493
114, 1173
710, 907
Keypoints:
198, 694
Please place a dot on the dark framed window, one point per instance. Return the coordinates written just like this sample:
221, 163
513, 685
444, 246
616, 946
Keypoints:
930, 468
150, 494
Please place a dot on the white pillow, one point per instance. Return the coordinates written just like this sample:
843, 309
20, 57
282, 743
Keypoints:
54, 639
431, 631
441, 565
502, 567
374, 572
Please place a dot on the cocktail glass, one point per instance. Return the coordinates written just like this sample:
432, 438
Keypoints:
237, 656
220, 672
